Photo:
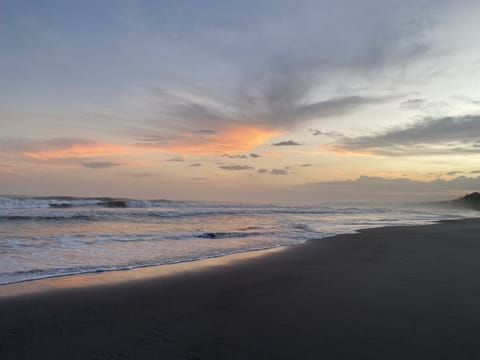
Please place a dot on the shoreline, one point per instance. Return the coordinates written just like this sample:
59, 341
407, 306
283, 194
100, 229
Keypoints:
115, 276
382, 293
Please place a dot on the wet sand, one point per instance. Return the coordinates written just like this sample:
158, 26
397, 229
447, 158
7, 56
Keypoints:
388, 293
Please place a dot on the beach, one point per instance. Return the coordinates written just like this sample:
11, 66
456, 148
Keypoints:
406, 292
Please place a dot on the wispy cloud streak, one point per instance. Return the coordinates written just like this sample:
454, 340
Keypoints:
448, 135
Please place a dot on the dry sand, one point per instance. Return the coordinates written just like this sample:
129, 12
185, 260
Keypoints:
389, 293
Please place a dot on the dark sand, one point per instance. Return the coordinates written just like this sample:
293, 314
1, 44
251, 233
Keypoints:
391, 293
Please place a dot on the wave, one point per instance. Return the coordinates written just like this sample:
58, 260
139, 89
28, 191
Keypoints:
36, 274
177, 208
74, 242
15, 217
225, 235
119, 213
104, 208
63, 202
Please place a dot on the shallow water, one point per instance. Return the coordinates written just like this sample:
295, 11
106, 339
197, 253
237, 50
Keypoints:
44, 237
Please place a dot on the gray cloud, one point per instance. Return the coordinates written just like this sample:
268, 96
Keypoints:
33, 145
270, 77
273, 171
475, 172
445, 135
153, 140
279, 172
198, 113
316, 132
427, 107
333, 107
176, 159
260, 112
305, 165
367, 188
255, 156
467, 99
195, 165
405, 184
100, 165
414, 104
287, 143
277, 87
141, 175
236, 167
453, 173
205, 132
235, 156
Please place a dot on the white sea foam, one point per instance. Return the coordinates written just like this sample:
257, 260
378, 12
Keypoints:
42, 237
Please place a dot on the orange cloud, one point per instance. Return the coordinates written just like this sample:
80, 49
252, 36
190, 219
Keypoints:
239, 138
81, 150
347, 152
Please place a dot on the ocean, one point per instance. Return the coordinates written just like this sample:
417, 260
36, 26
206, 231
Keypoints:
55, 236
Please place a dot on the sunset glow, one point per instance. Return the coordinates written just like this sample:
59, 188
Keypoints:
217, 98
242, 138
93, 149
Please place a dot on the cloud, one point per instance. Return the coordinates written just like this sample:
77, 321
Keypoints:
234, 139
236, 167
467, 99
7, 169
241, 156
279, 172
176, 159
273, 110
431, 136
405, 184
287, 143
199, 178
316, 132
277, 89
273, 171
475, 172
59, 148
205, 132
235, 156
141, 175
154, 140
305, 165
276, 74
195, 165
414, 104
100, 165
428, 107
368, 188
282, 89
453, 173
231, 139
334, 107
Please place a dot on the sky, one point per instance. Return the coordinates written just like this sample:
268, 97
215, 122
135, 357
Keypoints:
223, 100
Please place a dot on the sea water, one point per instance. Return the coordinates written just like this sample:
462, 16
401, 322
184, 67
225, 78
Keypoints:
46, 237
